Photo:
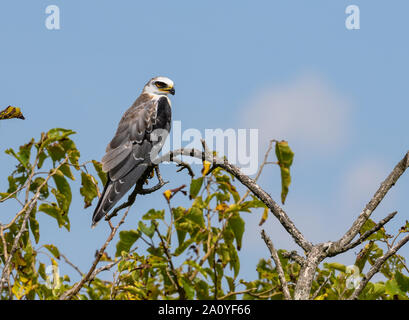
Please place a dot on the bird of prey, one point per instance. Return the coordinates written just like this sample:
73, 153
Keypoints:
127, 160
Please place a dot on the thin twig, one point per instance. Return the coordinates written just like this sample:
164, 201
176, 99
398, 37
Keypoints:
181, 291
77, 287
260, 169
279, 267
367, 234
277, 211
317, 292
27, 209
71, 264
294, 256
236, 293
379, 195
376, 267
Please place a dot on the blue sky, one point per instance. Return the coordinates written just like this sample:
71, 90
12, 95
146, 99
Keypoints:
288, 68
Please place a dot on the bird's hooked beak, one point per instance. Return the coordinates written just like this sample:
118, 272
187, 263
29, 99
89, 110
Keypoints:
171, 91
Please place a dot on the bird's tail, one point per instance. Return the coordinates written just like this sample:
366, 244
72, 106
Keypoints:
115, 190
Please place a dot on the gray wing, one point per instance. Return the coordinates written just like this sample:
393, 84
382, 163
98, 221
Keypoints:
127, 157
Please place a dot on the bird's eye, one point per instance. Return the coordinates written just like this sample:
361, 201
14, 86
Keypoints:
160, 84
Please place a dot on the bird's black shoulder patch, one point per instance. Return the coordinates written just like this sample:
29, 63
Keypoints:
164, 114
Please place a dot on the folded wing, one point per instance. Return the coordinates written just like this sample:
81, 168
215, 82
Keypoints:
127, 158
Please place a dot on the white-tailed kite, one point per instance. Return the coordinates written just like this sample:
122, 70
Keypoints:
128, 155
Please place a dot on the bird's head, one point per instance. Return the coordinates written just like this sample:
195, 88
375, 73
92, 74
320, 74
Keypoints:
159, 85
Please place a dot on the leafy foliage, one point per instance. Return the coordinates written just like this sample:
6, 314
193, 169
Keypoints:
173, 251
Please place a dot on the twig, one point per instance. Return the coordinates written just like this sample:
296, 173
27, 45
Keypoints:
317, 292
293, 255
211, 248
379, 195
181, 291
108, 266
366, 235
277, 211
376, 267
77, 287
27, 209
236, 293
71, 264
260, 169
13, 193
279, 267
5, 254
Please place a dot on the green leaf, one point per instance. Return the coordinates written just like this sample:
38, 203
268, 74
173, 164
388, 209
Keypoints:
53, 249
25, 152
232, 286
196, 215
56, 151
402, 281
88, 189
195, 265
234, 260
156, 252
41, 158
195, 187
392, 288
101, 174
59, 133
202, 289
15, 155
154, 214
335, 266
12, 184
41, 271
53, 211
64, 188
23, 156
183, 246
376, 290
236, 223
44, 193
144, 229
72, 151
126, 241
363, 256
181, 232
34, 227
66, 170
189, 290
368, 225
264, 216
285, 158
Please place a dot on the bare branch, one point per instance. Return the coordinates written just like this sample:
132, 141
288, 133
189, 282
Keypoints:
379, 195
317, 292
71, 264
236, 293
107, 267
277, 211
293, 255
376, 267
27, 209
260, 169
276, 258
77, 287
181, 291
364, 236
